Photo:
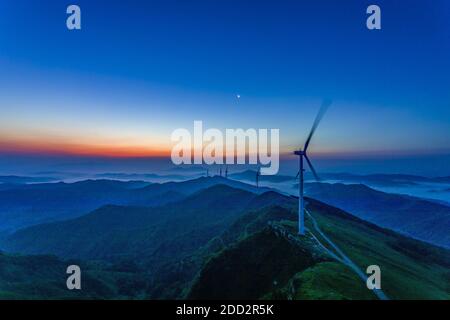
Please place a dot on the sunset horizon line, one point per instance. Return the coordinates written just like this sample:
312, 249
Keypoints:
101, 151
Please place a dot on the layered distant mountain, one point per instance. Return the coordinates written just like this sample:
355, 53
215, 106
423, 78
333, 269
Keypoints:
194, 185
25, 180
250, 175
25, 205
113, 231
440, 190
384, 179
29, 204
140, 176
369, 179
419, 218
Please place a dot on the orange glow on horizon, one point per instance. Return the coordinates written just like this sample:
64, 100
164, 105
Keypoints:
74, 149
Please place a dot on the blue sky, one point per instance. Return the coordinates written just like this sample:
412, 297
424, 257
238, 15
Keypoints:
138, 70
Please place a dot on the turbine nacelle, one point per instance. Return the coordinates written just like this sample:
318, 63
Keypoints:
299, 153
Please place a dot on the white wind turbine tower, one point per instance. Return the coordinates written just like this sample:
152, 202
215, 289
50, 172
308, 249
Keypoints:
302, 154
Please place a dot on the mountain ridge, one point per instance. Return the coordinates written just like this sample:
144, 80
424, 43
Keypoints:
419, 218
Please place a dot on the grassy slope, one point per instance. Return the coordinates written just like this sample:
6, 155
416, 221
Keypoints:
410, 269
327, 281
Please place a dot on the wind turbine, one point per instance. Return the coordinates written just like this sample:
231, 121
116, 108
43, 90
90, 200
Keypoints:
258, 173
303, 155
226, 172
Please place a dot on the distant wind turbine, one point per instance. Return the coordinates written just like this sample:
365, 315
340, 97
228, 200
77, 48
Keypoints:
302, 154
258, 173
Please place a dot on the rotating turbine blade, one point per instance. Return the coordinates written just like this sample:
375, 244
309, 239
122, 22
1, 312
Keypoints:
298, 173
320, 114
312, 169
